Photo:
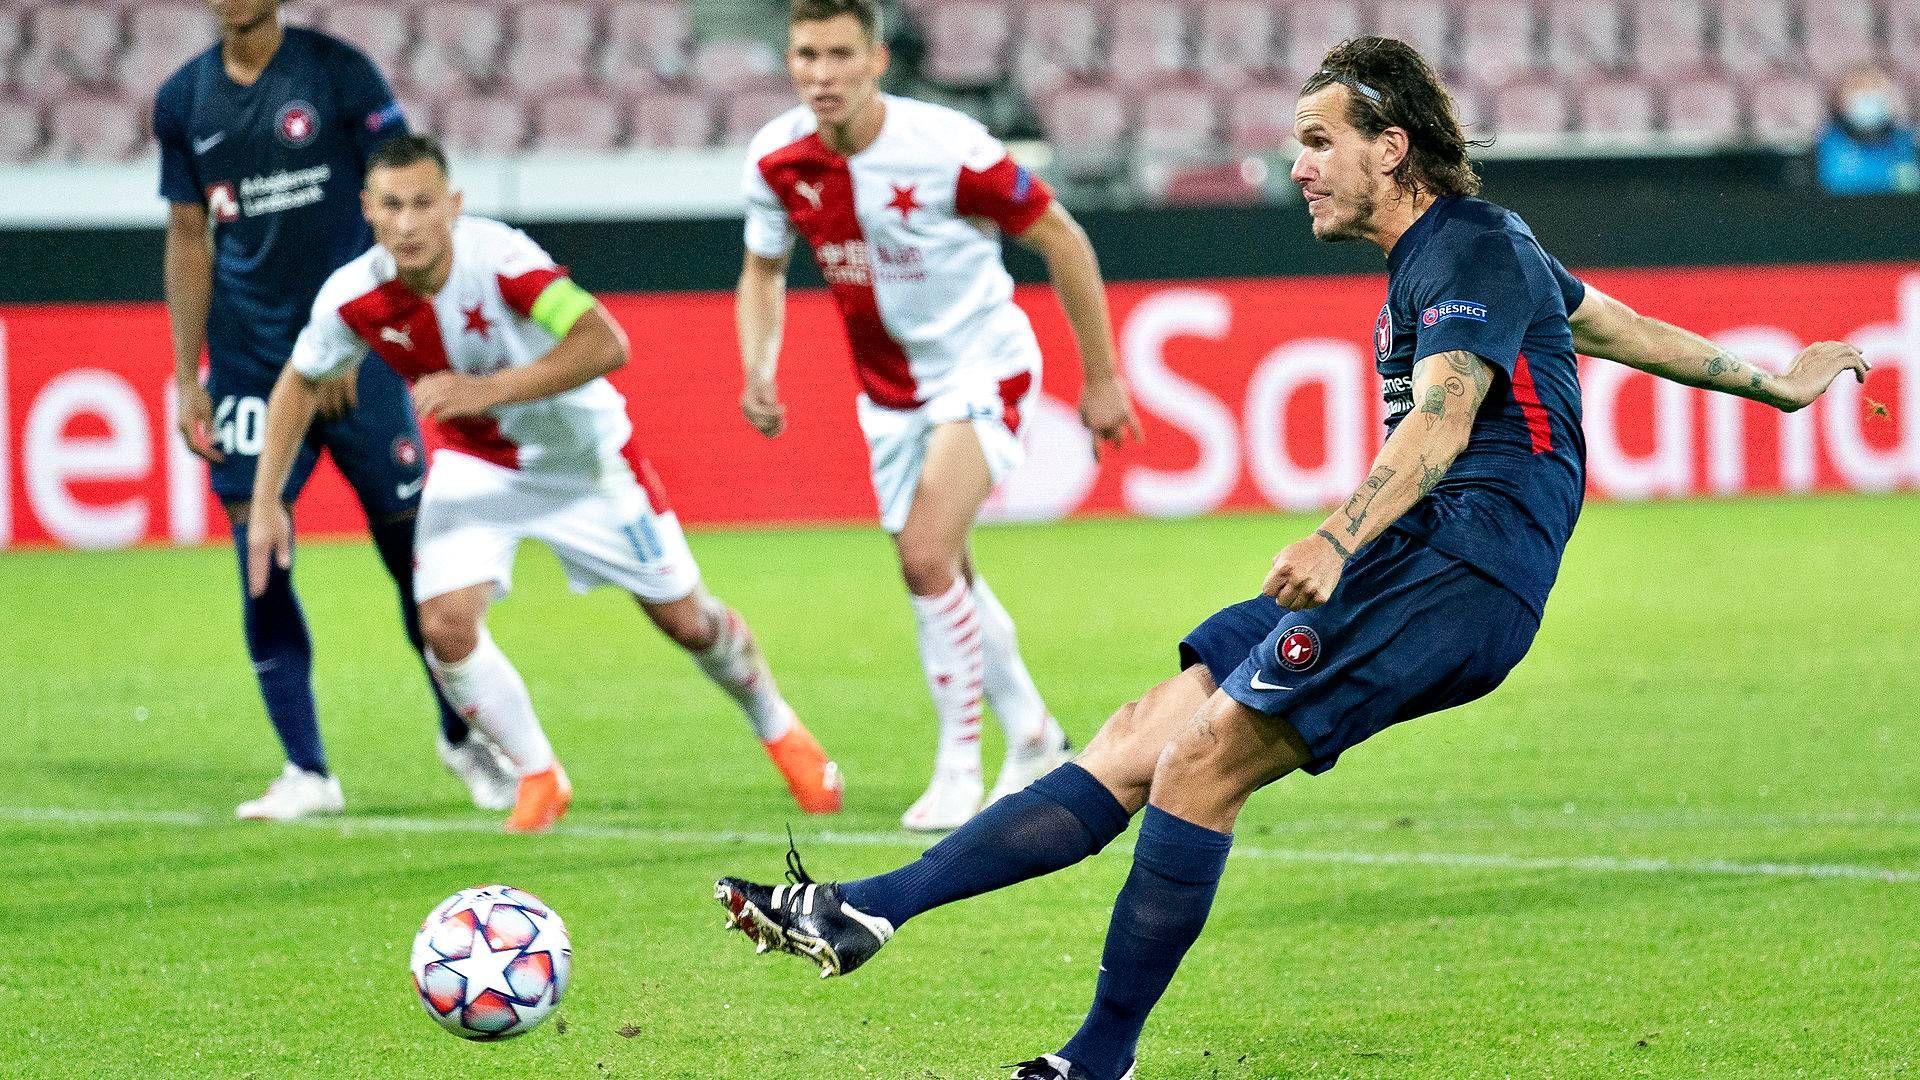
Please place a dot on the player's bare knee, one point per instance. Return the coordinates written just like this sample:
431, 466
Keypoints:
929, 569
452, 633
691, 622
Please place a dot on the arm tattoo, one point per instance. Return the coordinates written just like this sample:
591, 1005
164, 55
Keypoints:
1455, 387
1429, 476
1362, 499
1434, 404
1329, 538
1470, 366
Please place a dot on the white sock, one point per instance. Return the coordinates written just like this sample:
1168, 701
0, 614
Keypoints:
950, 653
735, 663
1010, 690
487, 690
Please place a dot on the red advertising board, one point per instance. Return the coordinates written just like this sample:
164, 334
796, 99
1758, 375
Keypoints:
1254, 394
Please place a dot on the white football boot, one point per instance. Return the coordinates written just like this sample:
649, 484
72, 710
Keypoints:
952, 798
1029, 763
479, 766
296, 793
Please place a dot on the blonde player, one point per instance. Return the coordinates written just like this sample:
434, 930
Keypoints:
507, 356
903, 203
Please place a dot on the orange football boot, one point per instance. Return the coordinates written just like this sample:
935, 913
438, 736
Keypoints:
543, 797
811, 775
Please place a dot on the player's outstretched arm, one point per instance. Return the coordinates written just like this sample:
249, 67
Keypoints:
1606, 328
591, 345
187, 269
1075, 271
1449, 387
290, 410
759, 309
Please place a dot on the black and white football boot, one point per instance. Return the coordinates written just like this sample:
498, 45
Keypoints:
803, 917
1054, 1067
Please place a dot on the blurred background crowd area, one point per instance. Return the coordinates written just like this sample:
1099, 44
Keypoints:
1165, 101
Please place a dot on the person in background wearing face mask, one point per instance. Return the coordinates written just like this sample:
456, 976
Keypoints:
1866, 149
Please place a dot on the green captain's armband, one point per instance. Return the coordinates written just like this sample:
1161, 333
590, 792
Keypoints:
560, 306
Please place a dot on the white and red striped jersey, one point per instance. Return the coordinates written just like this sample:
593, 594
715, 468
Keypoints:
906, 233
480, 322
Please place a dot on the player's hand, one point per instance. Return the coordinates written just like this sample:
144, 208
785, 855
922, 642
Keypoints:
269, 543
760, 403
335, 398
196, 421
449, 395
1107, 412
1814, 370
1304, 574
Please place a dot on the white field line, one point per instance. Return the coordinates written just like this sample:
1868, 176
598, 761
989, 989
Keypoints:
1591, 864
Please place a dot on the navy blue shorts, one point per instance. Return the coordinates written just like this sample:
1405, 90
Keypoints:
376, 445
1409, 631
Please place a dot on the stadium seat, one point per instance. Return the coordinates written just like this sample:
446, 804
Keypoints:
670, 121
1756, 37
1669, 38
966, 43
21, 132
1838, 34
748, 111
1533, 107
1087, 123
1704, 107
1147, 42
142, 68
304, 12
95, 128
1787, 110
1903, 37
1470, 107
554, 46
1260, 118
1179, 121
1422, 24
1495, 41
1585, 37
182, 27
482, 125
421, 114
1616, 107
70, 50
1226, 183
379, 30
729, 64
1234, 41
646, 44
459, 47
1311, 27
578, 123
1058, 41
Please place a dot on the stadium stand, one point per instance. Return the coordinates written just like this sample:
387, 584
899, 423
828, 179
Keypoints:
1109, 81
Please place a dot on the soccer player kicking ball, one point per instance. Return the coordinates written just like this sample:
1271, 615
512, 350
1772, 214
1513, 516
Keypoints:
263, 140
1420, 594
903, 203
508, 356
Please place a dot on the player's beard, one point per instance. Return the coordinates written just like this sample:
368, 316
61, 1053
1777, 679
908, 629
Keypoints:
1354, 228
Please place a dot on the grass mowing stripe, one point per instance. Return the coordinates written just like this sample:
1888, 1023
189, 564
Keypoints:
1598, 864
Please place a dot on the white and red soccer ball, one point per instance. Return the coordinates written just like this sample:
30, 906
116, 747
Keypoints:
491, 962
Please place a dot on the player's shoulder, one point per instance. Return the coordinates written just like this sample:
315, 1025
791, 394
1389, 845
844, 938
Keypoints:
782, 131
1477, 230
323, 47
936, 128
363, 274
179, 88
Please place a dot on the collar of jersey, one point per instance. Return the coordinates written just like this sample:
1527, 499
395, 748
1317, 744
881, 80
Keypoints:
1416, 235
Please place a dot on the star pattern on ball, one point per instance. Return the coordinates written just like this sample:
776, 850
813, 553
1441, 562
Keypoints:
485, 969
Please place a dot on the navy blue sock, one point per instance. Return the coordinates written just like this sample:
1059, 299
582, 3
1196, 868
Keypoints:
282, 661
394, 538
1159, 913
1058, 820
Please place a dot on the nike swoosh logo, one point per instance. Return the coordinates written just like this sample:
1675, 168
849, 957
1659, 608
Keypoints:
408, 491
1259, 683
201, 146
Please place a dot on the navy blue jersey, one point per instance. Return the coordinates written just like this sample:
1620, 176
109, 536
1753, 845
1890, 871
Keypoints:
1469, 276
279, 167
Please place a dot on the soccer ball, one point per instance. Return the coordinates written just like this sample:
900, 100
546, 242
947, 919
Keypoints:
491, 962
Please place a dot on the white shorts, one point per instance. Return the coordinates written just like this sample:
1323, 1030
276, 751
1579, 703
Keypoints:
897, 438
474, 514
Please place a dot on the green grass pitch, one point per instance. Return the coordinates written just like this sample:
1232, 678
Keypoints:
1679, 842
